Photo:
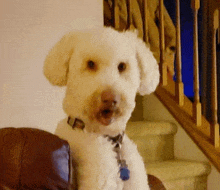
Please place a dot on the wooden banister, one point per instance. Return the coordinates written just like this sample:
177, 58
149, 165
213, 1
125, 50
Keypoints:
214, 101
163, 67
115, 13
188, 114
179, 84
219, 29
145, 21
129, 15
197, 109
204, 133
183, 114
130, 24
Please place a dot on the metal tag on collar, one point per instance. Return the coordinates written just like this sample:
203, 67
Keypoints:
117, 139
76, 123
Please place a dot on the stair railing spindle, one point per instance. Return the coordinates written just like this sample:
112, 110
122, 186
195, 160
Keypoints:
130, 25
219, 34
179, 84
219, 29
145, 27
197, 109
214, 102
115, 13
163, 66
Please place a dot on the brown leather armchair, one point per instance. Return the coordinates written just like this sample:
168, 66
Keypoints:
33, 159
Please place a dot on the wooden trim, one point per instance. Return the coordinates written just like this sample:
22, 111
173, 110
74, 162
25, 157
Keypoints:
183, 114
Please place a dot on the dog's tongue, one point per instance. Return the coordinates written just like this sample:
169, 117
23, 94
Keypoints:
105, 116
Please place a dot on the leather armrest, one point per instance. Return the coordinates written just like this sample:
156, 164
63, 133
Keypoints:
33, 159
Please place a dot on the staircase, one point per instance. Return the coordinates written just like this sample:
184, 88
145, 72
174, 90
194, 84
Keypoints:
155, 142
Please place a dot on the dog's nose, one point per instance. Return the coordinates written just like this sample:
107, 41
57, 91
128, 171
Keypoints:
109, 97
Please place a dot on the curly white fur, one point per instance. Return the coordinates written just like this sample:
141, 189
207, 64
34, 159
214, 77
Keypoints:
67, 64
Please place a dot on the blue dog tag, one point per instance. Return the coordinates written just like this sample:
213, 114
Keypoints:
124, 173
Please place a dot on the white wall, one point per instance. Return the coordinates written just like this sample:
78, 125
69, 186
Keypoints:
184, 147
28, 29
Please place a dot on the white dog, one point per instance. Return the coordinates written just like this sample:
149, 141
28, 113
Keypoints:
103, 70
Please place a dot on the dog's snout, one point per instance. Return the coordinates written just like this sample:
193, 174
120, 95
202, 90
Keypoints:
109, 97
108, 110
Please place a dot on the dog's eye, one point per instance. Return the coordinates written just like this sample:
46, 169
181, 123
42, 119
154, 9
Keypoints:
91, 65
121, 67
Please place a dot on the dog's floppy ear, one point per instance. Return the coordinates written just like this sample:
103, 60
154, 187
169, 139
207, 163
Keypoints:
149, 69
57, 61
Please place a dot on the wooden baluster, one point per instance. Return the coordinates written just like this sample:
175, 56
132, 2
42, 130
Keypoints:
163, 66
214, 101
219, 35
197, 109
179, 83
130, 25
204, 53
115, 13
146, 16
219, 29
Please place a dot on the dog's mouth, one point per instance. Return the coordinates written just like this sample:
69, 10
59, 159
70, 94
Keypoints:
107, 115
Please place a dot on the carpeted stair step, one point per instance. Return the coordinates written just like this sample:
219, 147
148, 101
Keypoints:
180, 174
155, 140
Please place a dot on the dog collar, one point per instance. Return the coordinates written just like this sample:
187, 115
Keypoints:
76, 123
117, 140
